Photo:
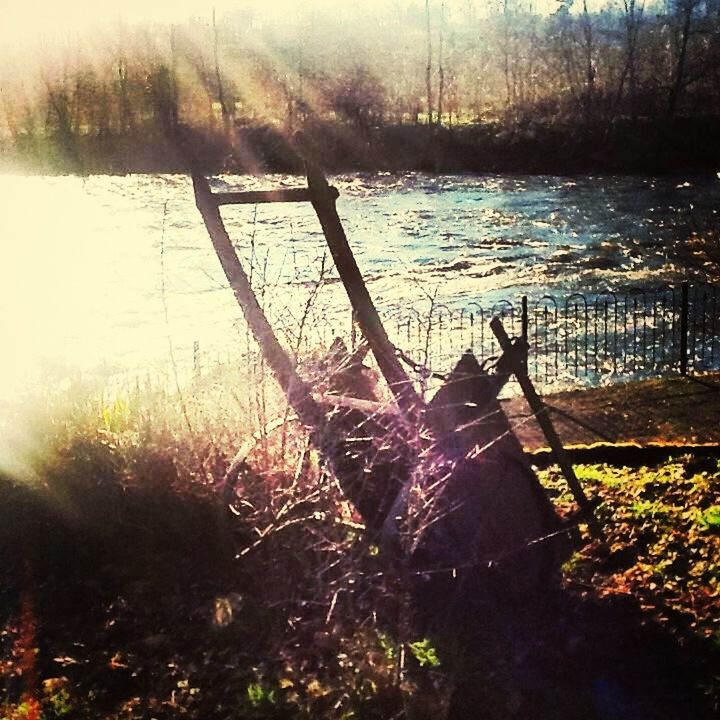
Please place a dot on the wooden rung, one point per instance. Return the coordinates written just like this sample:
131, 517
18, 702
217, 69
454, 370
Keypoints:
253, 197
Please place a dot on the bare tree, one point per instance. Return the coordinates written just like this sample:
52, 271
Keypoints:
428, 66
222, 101
359, 97
632, 21
441, 69
684, 11
510, 95
588, 47
126, 112
163, 101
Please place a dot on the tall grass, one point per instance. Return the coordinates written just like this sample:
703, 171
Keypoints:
111, 514
131, 587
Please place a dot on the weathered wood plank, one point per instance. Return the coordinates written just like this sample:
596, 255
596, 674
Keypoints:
297, 392
257, 197
541, 415
323, 200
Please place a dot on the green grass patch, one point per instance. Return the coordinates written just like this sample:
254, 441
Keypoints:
662, 538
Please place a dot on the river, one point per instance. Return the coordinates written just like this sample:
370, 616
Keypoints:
112, 274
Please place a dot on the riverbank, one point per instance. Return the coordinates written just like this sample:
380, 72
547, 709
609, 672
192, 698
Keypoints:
680, 146
681, 411
280, 609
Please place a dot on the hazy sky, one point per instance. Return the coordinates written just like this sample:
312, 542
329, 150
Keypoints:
32, 18
24, 20
27, 20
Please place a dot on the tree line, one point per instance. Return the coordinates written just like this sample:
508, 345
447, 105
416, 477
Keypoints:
242, 82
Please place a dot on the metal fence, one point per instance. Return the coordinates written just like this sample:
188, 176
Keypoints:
579, 338
574, 340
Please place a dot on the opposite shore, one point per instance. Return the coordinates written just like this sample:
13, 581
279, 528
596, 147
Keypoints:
644, 147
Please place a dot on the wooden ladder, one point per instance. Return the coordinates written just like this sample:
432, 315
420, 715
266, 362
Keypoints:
323, 198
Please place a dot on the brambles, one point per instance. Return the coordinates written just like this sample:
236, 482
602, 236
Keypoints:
283, 609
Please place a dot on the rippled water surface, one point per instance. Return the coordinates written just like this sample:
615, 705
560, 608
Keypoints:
114, 273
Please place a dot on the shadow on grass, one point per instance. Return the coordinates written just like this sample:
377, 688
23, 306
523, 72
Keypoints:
133, 605
571, 656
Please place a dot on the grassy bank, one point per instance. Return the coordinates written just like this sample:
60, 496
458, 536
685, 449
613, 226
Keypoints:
130, 591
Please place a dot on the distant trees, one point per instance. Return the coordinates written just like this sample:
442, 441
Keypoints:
359, 97
163, 100
442, 62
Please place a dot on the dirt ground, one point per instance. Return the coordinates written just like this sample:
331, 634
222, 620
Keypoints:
681, 410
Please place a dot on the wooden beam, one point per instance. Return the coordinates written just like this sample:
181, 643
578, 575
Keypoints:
295, 389
256, 197
540, 412
323, 200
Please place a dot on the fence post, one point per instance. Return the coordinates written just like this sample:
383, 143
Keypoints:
684, 312
524, 319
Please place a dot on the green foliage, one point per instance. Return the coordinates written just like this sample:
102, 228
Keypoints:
57, 703
117, 415
663, 544
387, 645
54, 704
424, 652
710, 518
258, 696
573, 563
650, 510
609, 476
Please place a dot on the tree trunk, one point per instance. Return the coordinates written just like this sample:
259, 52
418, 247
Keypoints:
506, 54
633, 16
174, 83
441, 69
125, 106
678, 75
224, 109
589, 66
428, 66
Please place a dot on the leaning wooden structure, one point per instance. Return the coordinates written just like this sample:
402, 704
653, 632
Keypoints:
445, 485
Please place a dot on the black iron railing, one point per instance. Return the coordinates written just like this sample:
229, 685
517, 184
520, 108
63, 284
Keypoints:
579, 338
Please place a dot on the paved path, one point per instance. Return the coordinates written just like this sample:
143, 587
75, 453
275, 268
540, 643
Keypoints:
675, 410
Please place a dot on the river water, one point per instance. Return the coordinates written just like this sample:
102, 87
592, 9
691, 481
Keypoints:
113, 274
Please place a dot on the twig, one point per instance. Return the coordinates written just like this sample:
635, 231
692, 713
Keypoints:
171, 350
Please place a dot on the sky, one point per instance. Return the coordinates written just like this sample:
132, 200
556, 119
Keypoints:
58, 18
26, 21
